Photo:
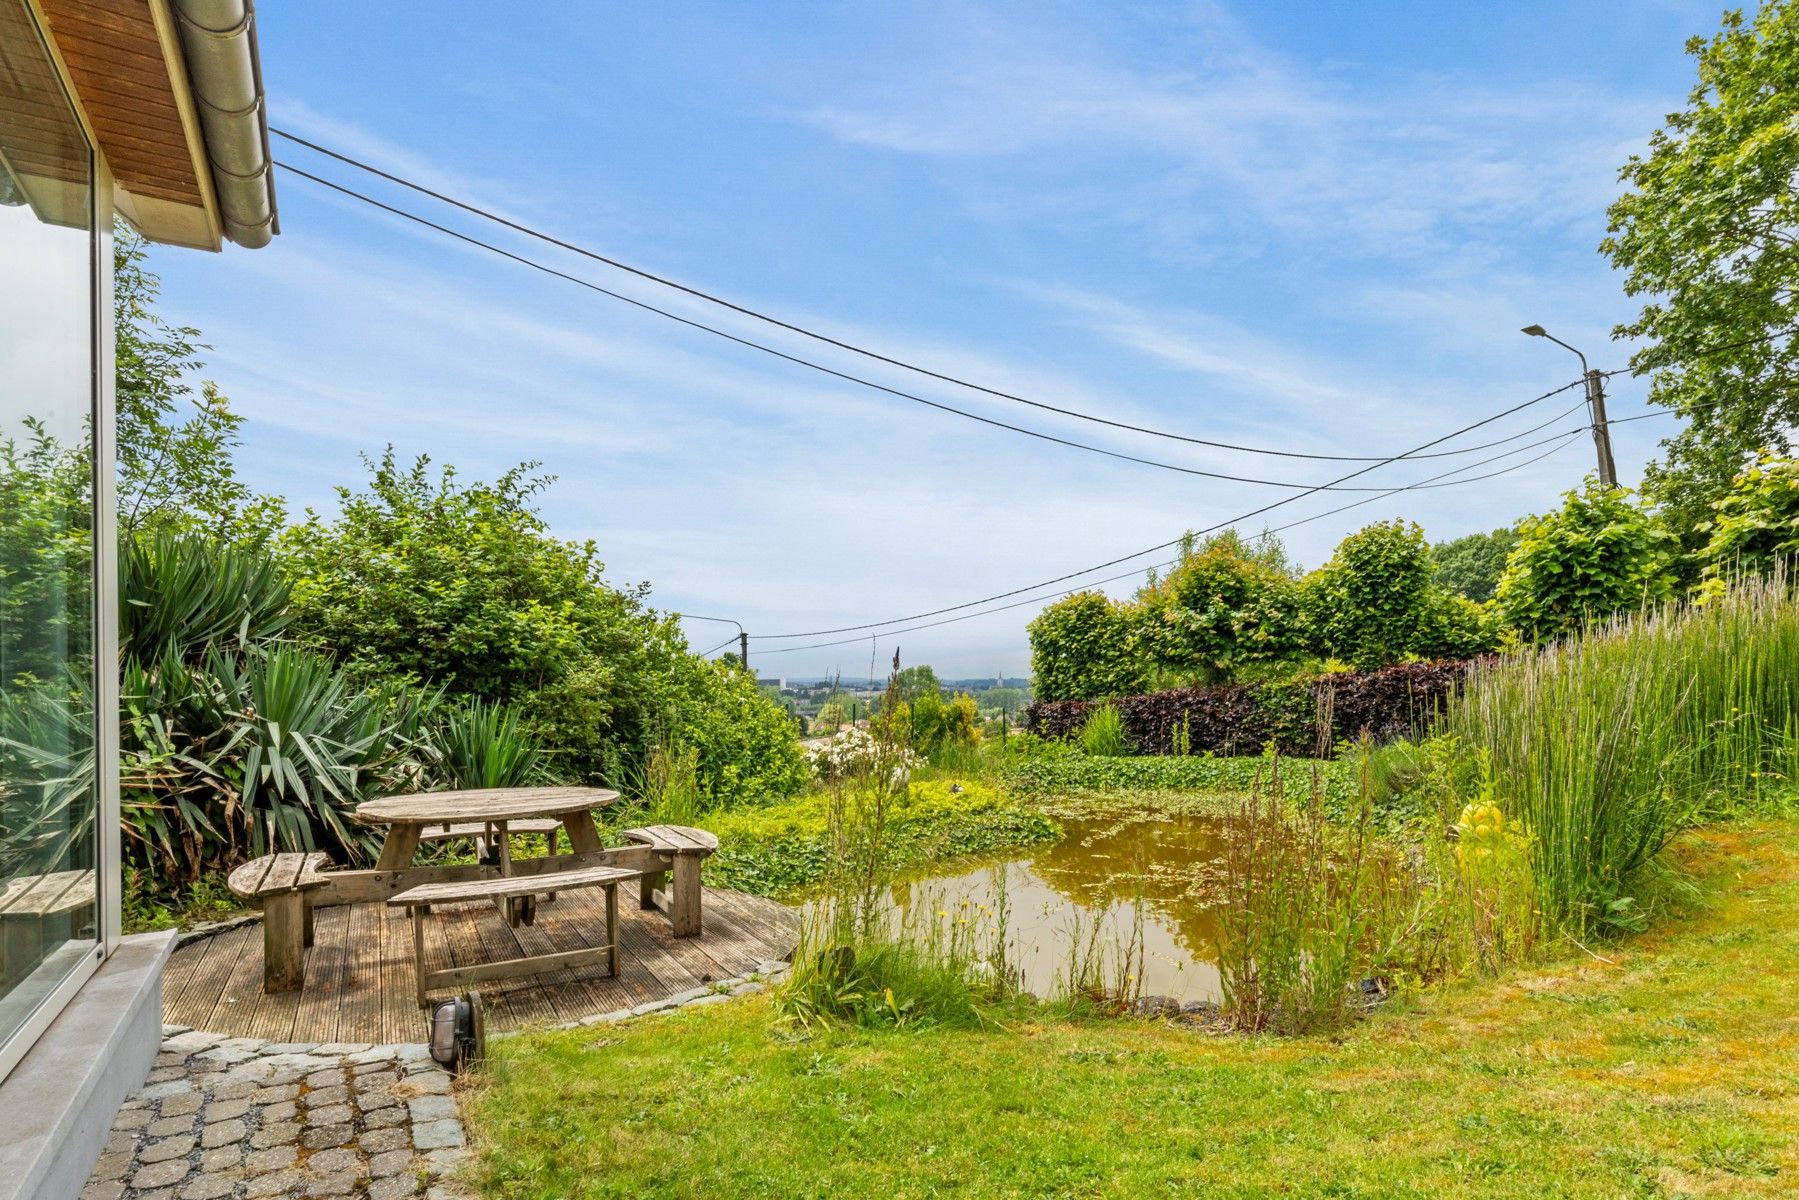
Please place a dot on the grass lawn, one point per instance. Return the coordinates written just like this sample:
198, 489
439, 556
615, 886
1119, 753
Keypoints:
1671, 1070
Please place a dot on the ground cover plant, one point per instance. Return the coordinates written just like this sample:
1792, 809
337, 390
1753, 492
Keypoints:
1654, 1071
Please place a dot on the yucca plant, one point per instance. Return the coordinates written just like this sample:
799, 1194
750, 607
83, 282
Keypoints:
189, 594
481, 744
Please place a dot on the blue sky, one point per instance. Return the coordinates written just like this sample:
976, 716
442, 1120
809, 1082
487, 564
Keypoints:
1311, 227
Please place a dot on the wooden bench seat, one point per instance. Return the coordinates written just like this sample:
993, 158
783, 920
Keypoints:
39, 911
525, 888
684, 849
483, 829
282, 886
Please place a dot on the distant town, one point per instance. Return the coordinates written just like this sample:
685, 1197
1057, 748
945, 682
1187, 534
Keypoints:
999, 698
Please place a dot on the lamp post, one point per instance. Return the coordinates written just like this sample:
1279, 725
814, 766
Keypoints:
1602, 432
743, 639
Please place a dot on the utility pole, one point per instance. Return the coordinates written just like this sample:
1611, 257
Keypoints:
1602, 429
743, 646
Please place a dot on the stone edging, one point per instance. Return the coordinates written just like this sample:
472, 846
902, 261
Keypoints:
770, 972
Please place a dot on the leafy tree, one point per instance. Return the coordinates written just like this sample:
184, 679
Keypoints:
1599, 554
175, 449
1225, 605
930, 721
1757, 521
463, 587
1374, 602
1083, 648
912, 683
1710, 231
1471, 566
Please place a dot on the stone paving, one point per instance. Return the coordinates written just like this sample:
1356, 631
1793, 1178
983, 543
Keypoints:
241, 1119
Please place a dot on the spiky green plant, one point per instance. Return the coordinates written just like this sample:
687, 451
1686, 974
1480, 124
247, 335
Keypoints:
481, 745
1607, 745
188, 593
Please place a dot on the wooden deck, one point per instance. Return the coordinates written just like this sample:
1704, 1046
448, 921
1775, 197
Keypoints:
359, 973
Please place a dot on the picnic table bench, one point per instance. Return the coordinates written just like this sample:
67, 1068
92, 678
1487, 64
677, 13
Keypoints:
282, 886
418, 900
38, 911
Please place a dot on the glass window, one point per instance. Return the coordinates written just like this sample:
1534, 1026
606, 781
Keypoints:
49, 912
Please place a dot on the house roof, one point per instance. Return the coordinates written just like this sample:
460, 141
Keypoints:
172, 92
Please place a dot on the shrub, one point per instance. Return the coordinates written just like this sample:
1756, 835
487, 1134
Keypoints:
1597, 556
1102, 733
1082, 649
482, 745
1298, 716
1756, 524
1223, 607
1470, 566
1372, 604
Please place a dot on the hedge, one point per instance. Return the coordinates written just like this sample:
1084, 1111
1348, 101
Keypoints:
1244, 718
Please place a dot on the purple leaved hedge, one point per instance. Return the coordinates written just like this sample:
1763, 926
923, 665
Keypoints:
1307, 716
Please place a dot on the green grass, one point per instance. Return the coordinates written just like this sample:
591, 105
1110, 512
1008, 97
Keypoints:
1669, 1068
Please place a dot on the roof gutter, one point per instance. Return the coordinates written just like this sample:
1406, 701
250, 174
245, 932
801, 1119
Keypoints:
218, 40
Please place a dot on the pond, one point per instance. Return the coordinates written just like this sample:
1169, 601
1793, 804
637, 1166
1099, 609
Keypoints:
1110, 865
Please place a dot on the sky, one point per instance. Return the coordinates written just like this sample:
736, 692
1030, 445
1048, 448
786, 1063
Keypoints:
1305, 227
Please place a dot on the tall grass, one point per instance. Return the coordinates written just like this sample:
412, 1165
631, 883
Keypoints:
1303, 911
1606, 746
859, 962
1102, 735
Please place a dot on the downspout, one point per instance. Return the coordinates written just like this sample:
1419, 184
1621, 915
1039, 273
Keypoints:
218, 39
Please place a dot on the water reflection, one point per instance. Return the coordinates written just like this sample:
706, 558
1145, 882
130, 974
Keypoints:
1097, 874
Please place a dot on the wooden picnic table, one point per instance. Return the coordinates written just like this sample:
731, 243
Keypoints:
409, 817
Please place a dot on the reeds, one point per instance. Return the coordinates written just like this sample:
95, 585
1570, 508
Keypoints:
1604, 747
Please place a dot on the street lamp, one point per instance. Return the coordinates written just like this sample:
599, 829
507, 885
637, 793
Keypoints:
743, 639
1602, 433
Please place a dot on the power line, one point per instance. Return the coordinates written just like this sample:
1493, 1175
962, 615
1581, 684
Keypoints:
1300, 488
1563, 441
779, 323
1254, 512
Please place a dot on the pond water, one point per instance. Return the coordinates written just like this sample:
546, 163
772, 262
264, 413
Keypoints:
1110, 866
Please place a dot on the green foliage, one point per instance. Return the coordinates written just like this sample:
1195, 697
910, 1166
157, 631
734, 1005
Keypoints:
928, 724
1050, 771
462, 587
1374, 603
1608, 744
175, 466
783, 848
1082, 648
481, 744
1756, 524
1706, 232
1102, 735
1225, 606
1598, 555
46, 558
180, 593
1471, 565
915, 683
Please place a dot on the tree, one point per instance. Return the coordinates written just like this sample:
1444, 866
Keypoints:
1373, 603
1757, 522
1710, 230
1082, 648
1599, 554
912, 683
1224, 606
175, 449
1471, 565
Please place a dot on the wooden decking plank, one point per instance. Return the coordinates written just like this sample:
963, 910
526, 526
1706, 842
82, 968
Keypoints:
327, 964
361, 1005
214, 959
359, 983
